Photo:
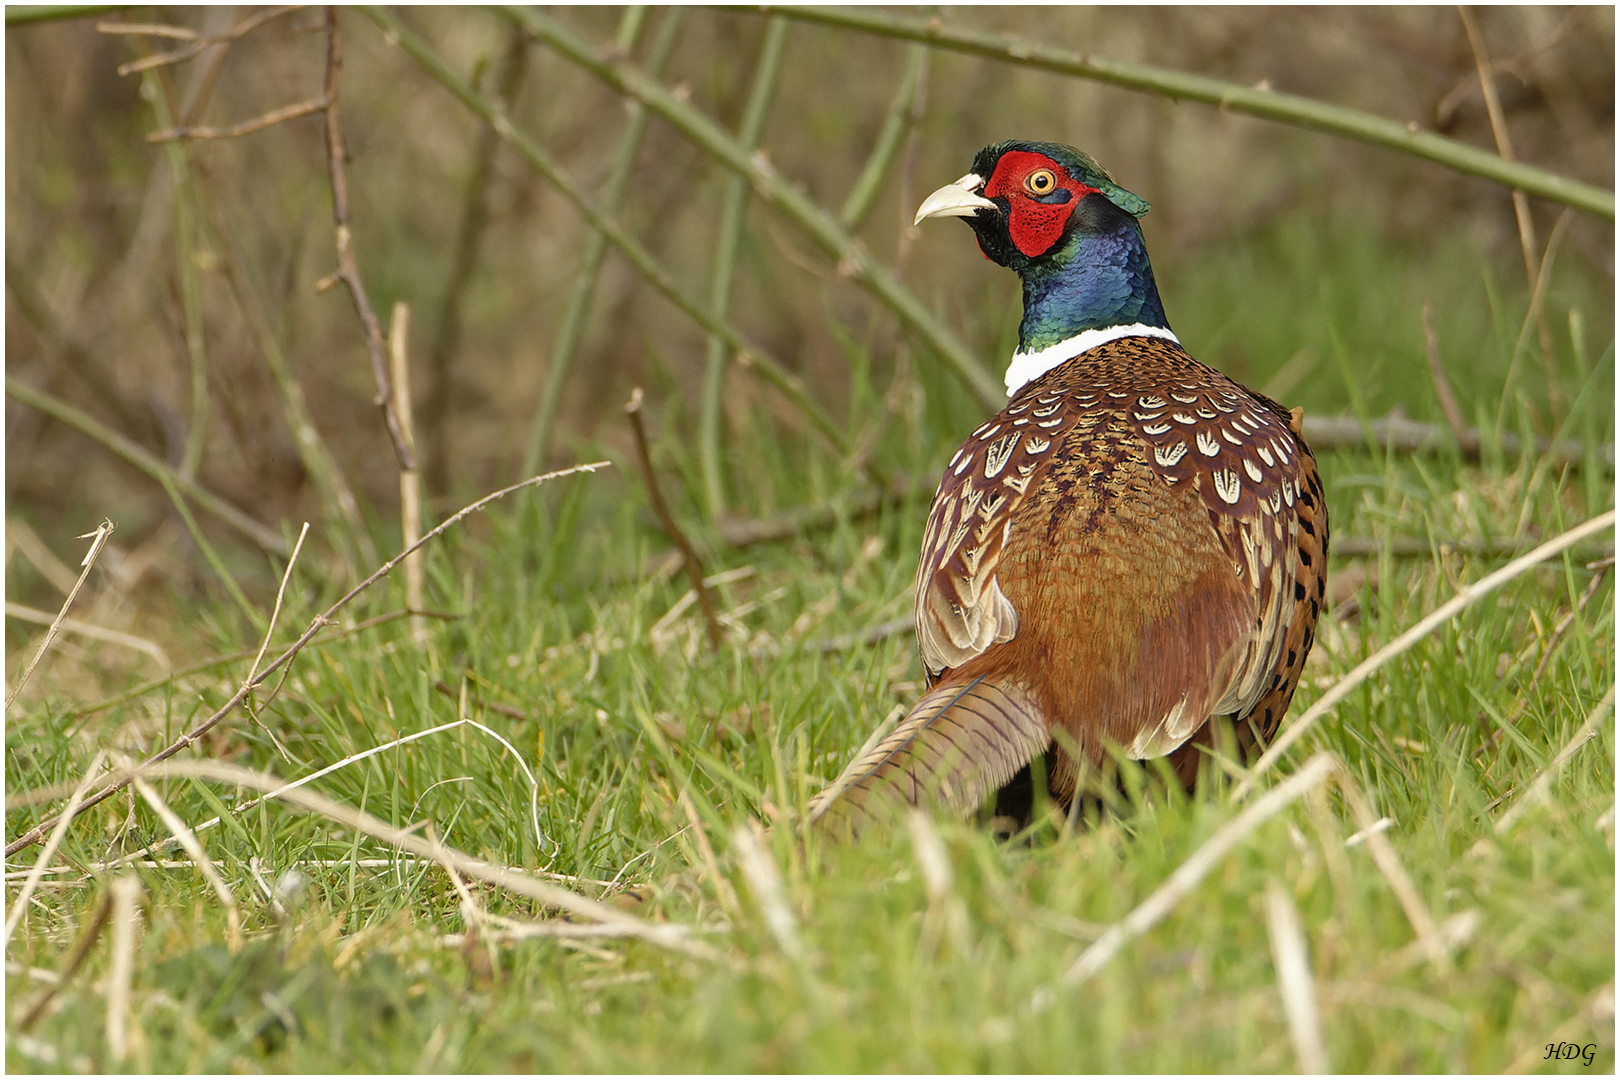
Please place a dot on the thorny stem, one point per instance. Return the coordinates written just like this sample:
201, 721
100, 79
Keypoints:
348, 268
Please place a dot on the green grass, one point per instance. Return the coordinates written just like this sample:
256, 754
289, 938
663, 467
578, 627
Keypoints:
372, 969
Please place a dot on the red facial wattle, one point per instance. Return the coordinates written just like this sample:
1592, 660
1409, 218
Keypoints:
1033, 223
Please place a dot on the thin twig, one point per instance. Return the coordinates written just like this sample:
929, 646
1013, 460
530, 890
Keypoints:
81, 949
694, 568
197, 43
1442, 385
1466, 596
483, 703
37, 833
246, 127
98, 539
1294, 983
1538, 788
342, 510
209, 665
1268, 104
348, 270
887, 144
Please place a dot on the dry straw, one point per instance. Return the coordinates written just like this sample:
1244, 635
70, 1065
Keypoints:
98, 540
1294, 983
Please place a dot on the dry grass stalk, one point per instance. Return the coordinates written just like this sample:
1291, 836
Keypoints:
275, 613
37, 833
188, 840
45, 853
765, 879
1534, 275
1538, 788
945, 910
1187, 876
1389, 864
126, 925
665, 935
98, 540
1466, 597
90, 630
711, 865
410, 479
694, 568
1150, 912
1294, 982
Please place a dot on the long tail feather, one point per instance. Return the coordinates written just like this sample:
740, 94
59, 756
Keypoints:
961, 741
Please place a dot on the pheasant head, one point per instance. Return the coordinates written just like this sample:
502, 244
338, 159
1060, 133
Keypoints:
1056, 218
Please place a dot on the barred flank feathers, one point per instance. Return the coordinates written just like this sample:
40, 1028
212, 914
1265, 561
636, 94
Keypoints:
960, 742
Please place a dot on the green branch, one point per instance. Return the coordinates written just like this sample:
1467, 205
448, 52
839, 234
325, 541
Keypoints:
728, 237
851, 256
748, 355
1232, 97
145, 462
571, 333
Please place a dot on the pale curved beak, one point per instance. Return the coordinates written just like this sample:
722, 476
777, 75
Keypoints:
955, 200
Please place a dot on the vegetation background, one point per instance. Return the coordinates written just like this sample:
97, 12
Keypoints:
170, 293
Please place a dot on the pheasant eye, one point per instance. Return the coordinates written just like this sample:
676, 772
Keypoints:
1041, 181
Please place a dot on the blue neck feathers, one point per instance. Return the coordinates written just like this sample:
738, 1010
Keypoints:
1093, 280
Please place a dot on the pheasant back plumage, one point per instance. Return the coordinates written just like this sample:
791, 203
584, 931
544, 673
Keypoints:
1134, 545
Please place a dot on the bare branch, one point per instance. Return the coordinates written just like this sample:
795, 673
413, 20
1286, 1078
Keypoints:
694, 568
348, 268
246, 127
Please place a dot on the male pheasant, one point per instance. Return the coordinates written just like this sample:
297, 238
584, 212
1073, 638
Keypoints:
1134, 547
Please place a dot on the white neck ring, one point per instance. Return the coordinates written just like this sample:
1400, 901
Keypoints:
1027, 367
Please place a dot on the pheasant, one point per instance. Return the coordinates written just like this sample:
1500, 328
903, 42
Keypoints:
1130, 551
